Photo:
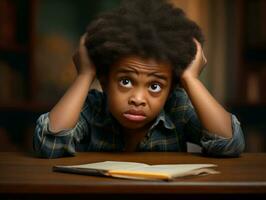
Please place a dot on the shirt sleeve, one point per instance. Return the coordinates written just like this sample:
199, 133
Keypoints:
213, 144
52, 145
66, 142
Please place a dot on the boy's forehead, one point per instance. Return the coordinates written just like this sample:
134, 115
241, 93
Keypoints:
142, 64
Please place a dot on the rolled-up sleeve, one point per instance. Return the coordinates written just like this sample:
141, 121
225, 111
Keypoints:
52, 145
215, 145
211, 143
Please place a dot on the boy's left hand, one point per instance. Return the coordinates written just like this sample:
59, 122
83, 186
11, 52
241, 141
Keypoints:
195, 68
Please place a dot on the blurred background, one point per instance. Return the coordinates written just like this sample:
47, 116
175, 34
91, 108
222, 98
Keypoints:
38, 38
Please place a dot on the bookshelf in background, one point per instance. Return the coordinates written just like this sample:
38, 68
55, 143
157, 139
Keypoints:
254, 50
252, 53
16, 69
247, 46
16, 57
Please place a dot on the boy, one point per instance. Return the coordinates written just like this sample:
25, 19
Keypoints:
148, 58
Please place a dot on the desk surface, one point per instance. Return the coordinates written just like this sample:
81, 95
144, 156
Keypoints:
25, 174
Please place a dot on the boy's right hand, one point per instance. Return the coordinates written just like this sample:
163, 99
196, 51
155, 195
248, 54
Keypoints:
82, 60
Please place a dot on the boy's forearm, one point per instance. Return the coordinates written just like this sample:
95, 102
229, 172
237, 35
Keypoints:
65, 113
212, 115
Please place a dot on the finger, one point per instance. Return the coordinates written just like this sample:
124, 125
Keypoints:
82, 39
204, 59
200, 51
198, 45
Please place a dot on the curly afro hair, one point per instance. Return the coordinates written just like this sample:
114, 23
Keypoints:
145, 28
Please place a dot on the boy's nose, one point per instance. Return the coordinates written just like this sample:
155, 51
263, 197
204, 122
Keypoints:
137, 99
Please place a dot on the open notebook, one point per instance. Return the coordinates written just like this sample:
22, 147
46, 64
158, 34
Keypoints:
133, 170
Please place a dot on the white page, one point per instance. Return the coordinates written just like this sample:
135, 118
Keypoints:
111, 165
175, 168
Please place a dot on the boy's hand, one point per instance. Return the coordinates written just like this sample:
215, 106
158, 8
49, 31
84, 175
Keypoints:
82, 61
196, 66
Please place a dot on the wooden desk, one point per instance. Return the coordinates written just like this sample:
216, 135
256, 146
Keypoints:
23, 176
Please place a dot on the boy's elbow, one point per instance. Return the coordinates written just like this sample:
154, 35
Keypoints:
236, 150
44, 151
234, 146
39, 147
227, 147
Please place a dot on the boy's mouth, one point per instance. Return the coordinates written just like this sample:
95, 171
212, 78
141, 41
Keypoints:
135, 115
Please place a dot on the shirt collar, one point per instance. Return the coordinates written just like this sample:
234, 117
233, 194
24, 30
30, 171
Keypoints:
164, 119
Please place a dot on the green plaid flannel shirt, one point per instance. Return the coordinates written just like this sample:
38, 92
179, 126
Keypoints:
97, 130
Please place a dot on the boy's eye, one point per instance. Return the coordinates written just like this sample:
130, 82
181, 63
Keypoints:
155, 88
125, 83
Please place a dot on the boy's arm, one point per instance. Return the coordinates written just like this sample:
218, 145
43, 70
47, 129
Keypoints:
64, 143
65, 113
212, 115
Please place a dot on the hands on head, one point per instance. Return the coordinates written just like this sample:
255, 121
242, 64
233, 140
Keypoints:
195, 68
82, 60
85, 66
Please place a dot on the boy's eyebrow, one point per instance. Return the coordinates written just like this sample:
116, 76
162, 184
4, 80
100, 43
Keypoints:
158, 75
127, 70
130, 70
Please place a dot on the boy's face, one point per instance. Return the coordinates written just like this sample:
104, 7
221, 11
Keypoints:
137, 90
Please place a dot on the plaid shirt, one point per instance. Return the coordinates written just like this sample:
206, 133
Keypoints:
97, 130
